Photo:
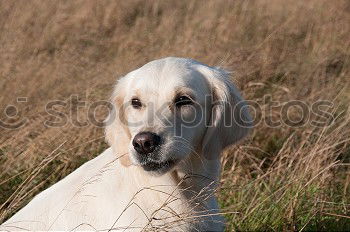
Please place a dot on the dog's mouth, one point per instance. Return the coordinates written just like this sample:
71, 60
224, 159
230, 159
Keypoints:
152, 166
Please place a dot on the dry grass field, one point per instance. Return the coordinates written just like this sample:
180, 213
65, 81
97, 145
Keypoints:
281, 178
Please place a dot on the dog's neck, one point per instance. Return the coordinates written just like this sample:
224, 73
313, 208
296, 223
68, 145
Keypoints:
195, 175
198, 174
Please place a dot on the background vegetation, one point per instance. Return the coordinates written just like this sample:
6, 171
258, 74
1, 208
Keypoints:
283, 178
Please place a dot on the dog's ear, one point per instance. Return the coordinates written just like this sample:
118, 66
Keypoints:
116, 131
229, 119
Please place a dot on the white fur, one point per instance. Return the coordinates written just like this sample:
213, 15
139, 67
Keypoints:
113, 192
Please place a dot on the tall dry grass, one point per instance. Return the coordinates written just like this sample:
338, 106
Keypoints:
283, 178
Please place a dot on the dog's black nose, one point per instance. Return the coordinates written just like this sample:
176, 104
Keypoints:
145, 142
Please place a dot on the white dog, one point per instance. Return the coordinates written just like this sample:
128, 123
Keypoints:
171, 120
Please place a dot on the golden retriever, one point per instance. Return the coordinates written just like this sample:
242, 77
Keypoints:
171, 120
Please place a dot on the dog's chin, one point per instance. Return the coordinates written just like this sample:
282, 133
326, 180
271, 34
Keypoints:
158, 168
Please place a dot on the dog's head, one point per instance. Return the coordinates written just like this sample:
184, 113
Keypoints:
172, 108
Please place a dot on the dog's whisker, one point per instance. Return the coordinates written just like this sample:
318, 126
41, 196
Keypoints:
189, 146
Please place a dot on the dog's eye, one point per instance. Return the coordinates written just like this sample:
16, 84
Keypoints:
182, 100
136, 103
